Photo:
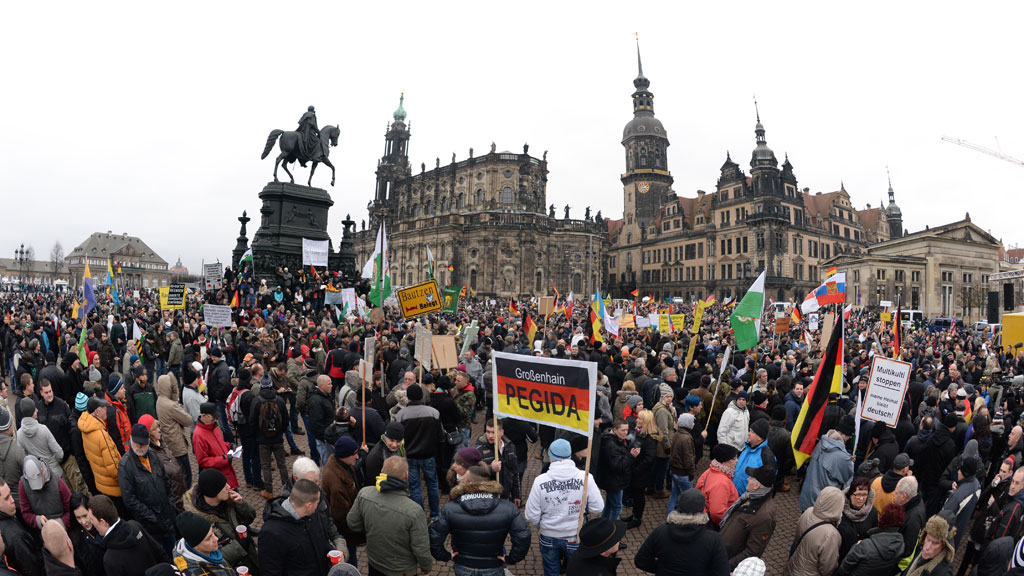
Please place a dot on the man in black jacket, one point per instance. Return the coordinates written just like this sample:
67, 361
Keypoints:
22, 546
55, 414
130, 549
479, 520
321, 415
270, 423
507, 465
291, 542
915, 517
423, 434
219, 384
932, 462
146, 489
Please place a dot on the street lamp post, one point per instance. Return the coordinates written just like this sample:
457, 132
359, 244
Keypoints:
20, 256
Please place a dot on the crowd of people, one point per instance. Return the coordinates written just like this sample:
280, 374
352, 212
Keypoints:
126, 435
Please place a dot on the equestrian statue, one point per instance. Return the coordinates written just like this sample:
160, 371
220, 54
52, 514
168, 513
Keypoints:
308, 143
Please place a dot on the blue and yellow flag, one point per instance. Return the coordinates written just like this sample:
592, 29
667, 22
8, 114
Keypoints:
90, 296
112, 285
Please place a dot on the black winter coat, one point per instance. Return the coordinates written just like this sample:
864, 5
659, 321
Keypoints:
876, 555
131, 550
932, 461
57, 417
675, 548
148, 496
616, 463
643, 464
292, 547
321, 412
886, 449
22, 546
779, 441
479, 519
219, 382
912, 524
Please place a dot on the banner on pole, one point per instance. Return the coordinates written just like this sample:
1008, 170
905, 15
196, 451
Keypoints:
332, 298
558, 393
216, 315
420, 299
451, 299
173, 297
887, 387
314, 252
782, 324
369, 348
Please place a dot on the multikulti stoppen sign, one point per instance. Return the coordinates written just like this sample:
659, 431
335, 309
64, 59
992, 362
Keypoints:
887, 387
557, 393
420, 299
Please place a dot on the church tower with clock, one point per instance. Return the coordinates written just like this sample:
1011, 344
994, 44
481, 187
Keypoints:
647, 182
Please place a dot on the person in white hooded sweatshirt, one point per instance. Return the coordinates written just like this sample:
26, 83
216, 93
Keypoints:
554, 506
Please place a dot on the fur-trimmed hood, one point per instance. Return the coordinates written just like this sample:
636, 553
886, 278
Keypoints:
477, 498
680, 519
685, 528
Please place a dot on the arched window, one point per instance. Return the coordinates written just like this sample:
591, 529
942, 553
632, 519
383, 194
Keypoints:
460, 202
507, 197
539, 287
478, 196
577, 283
472, 279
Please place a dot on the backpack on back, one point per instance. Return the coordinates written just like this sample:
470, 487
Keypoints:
235, 413
270, 418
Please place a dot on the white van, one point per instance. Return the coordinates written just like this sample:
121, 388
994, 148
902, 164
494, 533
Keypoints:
911, 318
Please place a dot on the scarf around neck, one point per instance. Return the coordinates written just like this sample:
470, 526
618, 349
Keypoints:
723, 468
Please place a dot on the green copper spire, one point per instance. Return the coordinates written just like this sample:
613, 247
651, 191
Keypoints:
400, 113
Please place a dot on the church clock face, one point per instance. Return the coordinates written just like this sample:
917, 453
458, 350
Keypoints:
643, 187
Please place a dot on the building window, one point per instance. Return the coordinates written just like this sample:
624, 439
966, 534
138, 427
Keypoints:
460, 201
728, 246
760, 241
880, 274
472, 279
691, 251
947, 276
700, 250
968, 277
539, 284
507, 197
577, 283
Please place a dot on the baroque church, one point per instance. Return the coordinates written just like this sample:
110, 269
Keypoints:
669, 245
486, 221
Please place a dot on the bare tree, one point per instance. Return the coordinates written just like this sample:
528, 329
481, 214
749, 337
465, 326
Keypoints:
56, 258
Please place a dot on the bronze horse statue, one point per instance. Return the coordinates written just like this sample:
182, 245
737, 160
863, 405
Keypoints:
289, 145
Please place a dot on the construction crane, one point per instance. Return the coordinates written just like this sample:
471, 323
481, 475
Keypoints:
983, 150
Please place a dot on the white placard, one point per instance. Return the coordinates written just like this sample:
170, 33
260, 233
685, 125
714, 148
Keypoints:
423, 352
348, 298
643, 322
887, 387
213, 274
314, 252
369, 349
812, 322
468, 337
885, 304
216, 315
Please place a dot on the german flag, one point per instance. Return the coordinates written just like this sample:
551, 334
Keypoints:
462, 294
512, 308
796, 315
635, 293
829, 378
595, 326
451, 268
555, 288
531, 329
234, 300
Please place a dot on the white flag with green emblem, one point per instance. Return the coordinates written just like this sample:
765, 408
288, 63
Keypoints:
378, 270
430, 263
746, 318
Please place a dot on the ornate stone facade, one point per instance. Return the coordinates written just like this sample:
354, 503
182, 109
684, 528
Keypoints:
670, 245
486, 217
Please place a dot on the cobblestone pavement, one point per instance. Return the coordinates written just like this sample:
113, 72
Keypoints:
775, 556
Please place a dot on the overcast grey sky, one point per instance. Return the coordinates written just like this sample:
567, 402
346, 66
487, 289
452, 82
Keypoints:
150, 118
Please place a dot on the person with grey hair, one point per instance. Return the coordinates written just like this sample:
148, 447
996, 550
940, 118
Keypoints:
664, 419
914, 512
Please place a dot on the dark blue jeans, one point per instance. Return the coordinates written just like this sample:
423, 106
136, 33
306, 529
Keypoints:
429, 468
251, 462
186, 468
658, 474
313, 453
225, 427
551, 552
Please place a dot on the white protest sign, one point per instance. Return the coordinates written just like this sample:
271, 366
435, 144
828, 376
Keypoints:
314, 252
348, 298
216, 315
643, 322
213, 274
423, 352
369, 349
468, 336
887, 387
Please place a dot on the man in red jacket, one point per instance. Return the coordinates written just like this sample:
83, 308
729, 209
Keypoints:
210, 448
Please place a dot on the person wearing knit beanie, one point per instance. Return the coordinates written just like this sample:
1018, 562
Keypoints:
210, 483
198, 548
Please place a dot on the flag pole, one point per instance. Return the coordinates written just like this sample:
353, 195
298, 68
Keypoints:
586, 478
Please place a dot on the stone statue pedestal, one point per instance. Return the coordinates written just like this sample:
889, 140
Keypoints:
290, 212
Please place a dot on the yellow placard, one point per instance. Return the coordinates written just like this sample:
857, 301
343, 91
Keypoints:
420, 299
886, 316
628, 321
173, 297
679, 321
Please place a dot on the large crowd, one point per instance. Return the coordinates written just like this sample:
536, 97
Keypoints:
126, 431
